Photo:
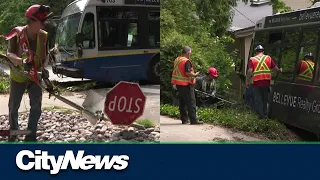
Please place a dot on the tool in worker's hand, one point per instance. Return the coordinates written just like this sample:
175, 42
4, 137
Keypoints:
27, 66
14, 132
92, 117
215, 97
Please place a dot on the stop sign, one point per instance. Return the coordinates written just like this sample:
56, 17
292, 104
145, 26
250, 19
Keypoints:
124, 103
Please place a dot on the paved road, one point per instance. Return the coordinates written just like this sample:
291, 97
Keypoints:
173, 131
52, 76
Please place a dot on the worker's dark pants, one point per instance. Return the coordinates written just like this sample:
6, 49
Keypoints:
249, 97
35, 95
187, 103
261, 95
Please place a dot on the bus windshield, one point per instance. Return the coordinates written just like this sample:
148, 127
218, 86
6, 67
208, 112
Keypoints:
66, 32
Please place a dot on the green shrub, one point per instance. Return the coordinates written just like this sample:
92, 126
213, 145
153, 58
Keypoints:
4, 85
238, 118
206, 52
147, 123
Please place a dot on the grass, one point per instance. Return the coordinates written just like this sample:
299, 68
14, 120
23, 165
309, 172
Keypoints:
77, 87
237, 118
147, 123
62, 109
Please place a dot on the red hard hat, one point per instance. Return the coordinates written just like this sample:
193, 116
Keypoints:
213, 72
38, 12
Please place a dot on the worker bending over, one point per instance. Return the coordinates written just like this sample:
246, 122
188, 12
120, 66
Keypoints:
206, 84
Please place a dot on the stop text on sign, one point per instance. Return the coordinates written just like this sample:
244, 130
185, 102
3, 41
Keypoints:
123, 103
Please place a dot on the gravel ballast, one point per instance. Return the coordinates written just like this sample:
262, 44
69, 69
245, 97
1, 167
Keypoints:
58, 126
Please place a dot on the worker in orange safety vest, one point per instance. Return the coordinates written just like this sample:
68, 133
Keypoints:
183, 79
260, 68
305, 68
28, 51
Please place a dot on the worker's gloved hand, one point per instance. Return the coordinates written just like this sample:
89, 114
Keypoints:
27, 66
45, 74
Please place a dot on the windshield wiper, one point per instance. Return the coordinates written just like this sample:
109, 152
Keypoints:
66, 51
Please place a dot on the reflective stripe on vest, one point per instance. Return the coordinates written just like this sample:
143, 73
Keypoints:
40, 54
306, 71
204, 86
261, 68
178, 74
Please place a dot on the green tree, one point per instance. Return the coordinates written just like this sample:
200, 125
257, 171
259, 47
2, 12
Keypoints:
195, 23
12, 14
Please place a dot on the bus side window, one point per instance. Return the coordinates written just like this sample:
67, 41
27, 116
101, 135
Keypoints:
132, 35
275, 38
154, 28
88, 31
289, 55
305, 67
274, 54
310, 36
118, 27
288, 62
260, 38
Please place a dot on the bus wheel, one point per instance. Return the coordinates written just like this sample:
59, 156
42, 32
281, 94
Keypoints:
154, 70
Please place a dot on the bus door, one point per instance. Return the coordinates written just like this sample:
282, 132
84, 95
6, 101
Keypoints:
274, 53
308, 91
88, 29
282, 47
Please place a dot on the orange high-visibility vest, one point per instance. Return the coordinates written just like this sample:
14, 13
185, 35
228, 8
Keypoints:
179, 76
261, 67
306, 70
23, 43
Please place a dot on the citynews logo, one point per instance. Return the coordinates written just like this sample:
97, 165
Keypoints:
40, 160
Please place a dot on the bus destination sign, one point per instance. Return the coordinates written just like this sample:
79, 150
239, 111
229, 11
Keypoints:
305, 16
143, 2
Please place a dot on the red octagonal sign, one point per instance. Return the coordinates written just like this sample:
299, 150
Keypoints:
124, 103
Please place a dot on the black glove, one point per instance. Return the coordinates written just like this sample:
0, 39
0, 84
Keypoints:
45, 74
27, 66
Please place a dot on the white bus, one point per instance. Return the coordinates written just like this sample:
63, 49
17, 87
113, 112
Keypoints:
109, 40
